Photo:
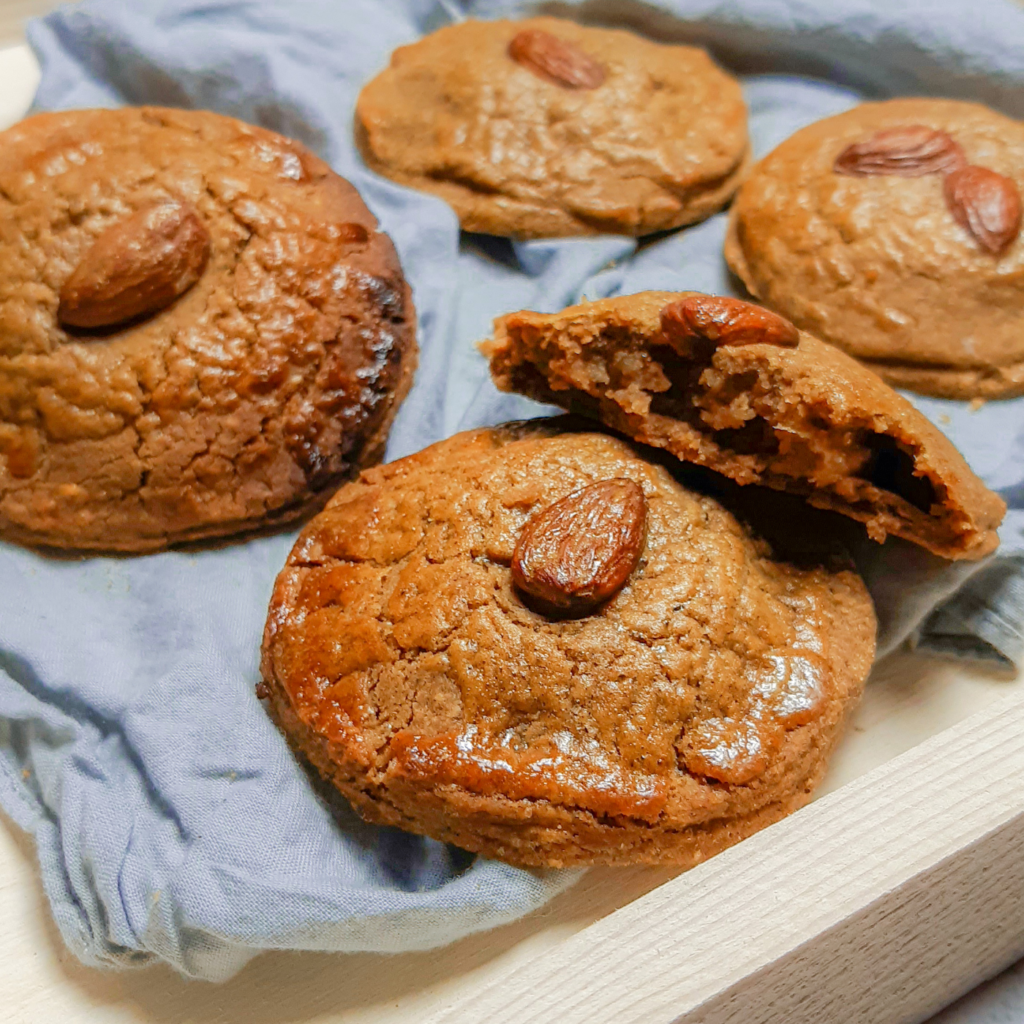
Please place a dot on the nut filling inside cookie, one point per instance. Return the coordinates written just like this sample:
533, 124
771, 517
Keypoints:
733, 404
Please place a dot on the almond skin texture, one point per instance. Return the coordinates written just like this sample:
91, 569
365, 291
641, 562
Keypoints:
557, 60
987, 204
136, 267
724, 321
910, 151
580, 551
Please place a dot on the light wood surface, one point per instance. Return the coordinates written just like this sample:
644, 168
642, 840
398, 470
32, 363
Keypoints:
880, 903
14, 14
899, 890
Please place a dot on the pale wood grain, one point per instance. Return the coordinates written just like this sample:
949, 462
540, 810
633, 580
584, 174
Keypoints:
14, 14
880, 903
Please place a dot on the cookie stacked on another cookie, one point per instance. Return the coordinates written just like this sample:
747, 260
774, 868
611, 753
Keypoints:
534, 642
892, 231
202, 331
545, 128
739, 389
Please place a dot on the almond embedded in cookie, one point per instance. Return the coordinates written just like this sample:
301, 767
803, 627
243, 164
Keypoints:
547, 128
202, 331
719, 382
695, 702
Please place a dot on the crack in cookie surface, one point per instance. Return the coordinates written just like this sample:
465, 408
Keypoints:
402, 661
241, 402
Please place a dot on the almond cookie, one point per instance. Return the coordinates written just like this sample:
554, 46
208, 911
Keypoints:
892, 231
739, 389
202, 331
533, 642
545, 128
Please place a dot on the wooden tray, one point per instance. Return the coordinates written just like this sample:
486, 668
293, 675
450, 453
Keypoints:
898, 889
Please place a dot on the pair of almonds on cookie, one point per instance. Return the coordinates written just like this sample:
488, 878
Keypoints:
984, 202
893, 232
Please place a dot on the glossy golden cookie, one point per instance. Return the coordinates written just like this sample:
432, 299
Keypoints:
688, 701
202, 331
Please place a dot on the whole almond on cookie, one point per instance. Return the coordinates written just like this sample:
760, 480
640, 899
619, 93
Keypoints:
581, 550
136, 267
724, 321
987, 204
908, 151
555, 59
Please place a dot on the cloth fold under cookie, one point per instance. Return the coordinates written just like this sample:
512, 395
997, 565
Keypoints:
169, 819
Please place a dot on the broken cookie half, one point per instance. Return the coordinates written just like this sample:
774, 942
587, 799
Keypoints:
731, 386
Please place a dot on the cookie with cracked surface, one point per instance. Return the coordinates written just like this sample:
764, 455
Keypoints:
545, 128
202, 331
658, 723
728, 385
892, 231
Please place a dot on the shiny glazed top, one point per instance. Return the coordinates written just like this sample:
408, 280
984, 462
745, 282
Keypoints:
398, 639
265, 382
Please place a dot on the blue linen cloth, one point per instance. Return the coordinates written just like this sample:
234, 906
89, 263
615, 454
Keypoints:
170, 820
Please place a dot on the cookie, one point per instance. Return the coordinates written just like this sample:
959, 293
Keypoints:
892, 231
545, 128
736, 388
202, 331
688, 695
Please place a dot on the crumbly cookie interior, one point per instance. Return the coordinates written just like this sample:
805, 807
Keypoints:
734, 410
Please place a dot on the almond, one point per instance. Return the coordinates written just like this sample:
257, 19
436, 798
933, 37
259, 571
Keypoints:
723, 321
352, 232
581, 550
909, 151
987, 204
555, 59
136, 267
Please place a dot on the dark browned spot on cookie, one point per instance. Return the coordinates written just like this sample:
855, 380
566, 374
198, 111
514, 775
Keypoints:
21, 453
890, 467
352, 232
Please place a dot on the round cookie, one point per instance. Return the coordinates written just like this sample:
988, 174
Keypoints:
691, 708
859, 238
275, 340
546, 128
